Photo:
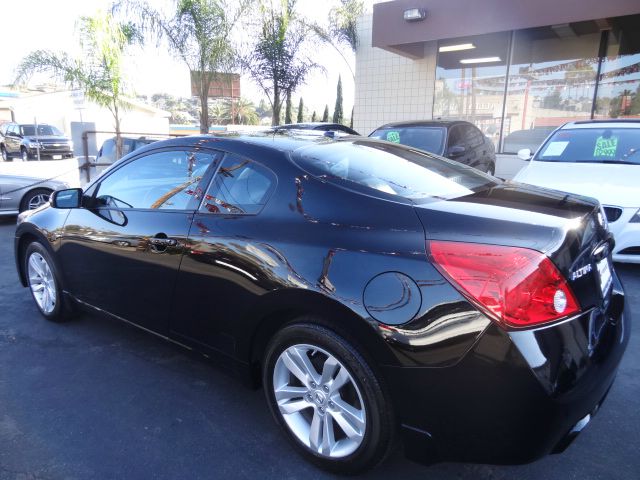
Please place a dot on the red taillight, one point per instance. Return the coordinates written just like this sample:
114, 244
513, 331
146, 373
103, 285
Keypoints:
517, 286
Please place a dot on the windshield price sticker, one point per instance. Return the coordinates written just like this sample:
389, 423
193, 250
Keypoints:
393, 137
606, 147
555, 149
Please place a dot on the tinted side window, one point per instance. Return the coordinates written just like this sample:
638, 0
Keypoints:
472, 136
239, 187
162, 180
455, 136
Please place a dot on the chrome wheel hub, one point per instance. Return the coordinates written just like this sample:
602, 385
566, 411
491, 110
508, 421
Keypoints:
319, 400
42, 282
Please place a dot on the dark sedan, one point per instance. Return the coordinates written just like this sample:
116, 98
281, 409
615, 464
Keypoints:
457, 140
370, 288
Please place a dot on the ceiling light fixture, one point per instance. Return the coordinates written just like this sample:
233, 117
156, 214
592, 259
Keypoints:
456, 48
480, 60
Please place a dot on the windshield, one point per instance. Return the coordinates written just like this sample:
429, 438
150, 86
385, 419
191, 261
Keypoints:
392, 169
430, 139
592, 145
29, 130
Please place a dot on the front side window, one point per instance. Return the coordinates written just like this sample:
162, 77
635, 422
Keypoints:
239, 187
430, 139
162, 180
593, 145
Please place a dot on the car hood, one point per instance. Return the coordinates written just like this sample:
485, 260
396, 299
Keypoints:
611, 184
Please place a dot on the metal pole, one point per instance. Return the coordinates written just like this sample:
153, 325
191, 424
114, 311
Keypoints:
85, 148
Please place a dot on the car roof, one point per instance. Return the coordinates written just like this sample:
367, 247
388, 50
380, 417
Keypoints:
425, 123
612, 123
282, 142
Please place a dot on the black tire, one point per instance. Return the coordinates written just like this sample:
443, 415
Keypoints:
24, 154
34, 196
5, 155
63, 309
377, 438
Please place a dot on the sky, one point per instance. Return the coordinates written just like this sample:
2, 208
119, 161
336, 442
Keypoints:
46, 24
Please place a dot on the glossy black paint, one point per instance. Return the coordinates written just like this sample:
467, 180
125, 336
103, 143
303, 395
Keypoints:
462, 388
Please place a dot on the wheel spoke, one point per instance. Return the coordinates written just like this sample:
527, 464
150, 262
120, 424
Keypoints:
37, 287
33, 263
299, 364
315, 432
350, 419
328, 370
328, 436
340, 381
287, 392
292, 406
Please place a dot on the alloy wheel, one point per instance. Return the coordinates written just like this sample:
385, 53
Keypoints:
42, 282
37, 201
319, 400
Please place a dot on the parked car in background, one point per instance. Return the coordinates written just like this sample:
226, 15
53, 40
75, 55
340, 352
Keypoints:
458, 140
600, 159
23, 141
531, 139
107, 152
370, 288
19, 193
320, 126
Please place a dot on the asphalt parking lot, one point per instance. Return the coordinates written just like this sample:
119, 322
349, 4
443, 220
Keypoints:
95, 398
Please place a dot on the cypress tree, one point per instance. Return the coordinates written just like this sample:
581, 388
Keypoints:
337, 112
313, 117
325, 115
300, 111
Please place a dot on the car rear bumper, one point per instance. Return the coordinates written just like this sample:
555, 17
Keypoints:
515, 396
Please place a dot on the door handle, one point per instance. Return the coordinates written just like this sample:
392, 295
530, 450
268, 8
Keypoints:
163, 242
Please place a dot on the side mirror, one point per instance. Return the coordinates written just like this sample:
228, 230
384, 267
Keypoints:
69, 198
456, 151
525, 154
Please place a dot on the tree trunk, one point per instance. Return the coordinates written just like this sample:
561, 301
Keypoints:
205, 82
204, 113
275, 117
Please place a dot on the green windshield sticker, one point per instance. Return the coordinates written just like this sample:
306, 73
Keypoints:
606, 147
393, 137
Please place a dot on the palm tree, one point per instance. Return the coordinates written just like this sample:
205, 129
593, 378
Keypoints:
241, 111
98, 72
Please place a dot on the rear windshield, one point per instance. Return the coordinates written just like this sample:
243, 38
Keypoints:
593, 145
28, 130
430, 139
392, 169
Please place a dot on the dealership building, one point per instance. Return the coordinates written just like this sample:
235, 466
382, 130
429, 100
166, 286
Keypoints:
514, 68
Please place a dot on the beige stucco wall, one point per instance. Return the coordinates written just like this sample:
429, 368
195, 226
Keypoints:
390, 87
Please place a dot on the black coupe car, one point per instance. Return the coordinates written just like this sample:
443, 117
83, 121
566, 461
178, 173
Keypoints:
370, 288
458, 140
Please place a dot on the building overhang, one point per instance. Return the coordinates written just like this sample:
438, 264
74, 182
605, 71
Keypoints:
461, 18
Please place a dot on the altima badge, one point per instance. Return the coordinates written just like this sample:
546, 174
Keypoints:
581, 272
